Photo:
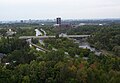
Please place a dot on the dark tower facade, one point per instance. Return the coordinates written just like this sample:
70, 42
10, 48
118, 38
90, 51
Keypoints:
58, 21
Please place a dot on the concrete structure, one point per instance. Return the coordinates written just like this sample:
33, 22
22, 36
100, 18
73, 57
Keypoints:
36, 37
10, 32
38, 33
43, 31
44, 37
38, 48
62, 35
58, 21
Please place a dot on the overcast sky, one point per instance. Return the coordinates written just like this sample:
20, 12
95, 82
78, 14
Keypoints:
50, 9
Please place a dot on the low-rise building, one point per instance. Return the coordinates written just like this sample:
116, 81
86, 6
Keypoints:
10, 32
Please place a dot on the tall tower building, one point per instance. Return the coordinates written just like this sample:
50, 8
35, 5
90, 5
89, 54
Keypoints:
58, 21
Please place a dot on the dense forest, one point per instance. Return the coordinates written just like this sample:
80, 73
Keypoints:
30, 66
64, 62
108, 39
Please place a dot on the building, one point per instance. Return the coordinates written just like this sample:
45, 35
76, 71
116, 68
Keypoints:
21, 21
62, 35
58, 21
10, 32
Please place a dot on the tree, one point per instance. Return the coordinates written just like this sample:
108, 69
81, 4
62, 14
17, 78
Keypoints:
116, 49
26, 79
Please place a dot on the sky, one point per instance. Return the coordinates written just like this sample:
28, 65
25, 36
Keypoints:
66, 9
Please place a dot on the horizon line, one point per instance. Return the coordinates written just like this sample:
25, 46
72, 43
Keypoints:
107, 18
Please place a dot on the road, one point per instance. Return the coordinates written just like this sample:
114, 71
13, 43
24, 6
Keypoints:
44, 37
42, 49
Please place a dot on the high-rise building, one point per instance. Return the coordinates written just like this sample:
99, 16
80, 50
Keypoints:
21, 21
58, 21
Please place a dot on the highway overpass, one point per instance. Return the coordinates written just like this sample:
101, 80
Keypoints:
44, 37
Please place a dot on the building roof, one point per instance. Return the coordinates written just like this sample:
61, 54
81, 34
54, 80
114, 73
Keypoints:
10, 32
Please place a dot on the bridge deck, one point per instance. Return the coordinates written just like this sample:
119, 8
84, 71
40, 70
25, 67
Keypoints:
37, 37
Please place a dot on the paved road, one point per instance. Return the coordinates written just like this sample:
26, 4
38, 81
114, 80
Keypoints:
38, 37
41, 48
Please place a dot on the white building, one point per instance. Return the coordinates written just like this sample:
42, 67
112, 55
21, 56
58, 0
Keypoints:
10, 32
62, 35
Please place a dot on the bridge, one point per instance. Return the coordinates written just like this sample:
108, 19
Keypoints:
44, 37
